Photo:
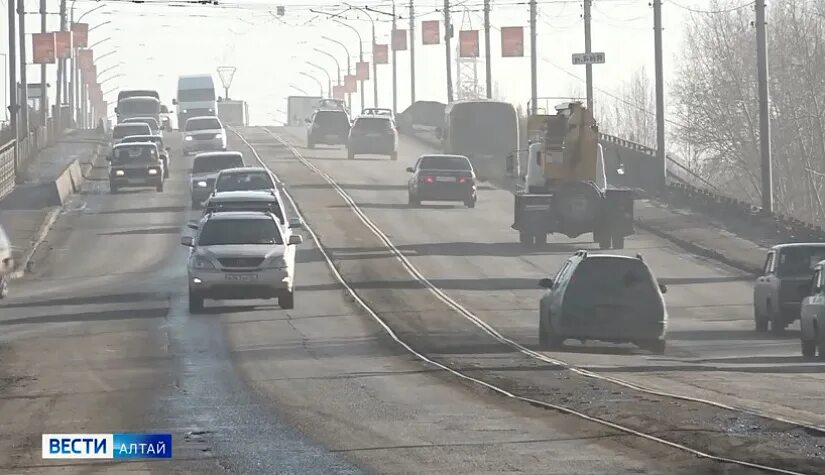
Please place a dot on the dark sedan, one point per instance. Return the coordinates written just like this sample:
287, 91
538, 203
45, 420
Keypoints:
442, 178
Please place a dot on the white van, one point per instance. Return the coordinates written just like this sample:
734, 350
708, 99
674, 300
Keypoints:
196, 97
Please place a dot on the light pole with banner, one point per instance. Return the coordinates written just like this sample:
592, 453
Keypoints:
226, 73
349, 67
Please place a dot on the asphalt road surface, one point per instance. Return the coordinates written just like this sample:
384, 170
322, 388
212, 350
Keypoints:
99, 339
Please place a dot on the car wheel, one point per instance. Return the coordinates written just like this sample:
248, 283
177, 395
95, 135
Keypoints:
4, 287
287, 301
655, 346
159, 186
543, 341
195, 302
604, 244
525, 238
540, 239
618, 242
776, 322
112, 187
196, 204
552, 341
413, 201
760, 322
808, 349
166, 170
394, 156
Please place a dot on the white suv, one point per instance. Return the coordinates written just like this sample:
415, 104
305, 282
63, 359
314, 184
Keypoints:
203, 134
241, 255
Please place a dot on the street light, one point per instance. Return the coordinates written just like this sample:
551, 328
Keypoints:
73, 91
329, 78
109, 78
110, 68
293, 86
100, 24
337, 64
104, 55
374, 64
99, 42
320, 84
349, 68
360, 54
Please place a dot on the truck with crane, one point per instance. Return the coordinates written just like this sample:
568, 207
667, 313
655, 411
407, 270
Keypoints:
565, 189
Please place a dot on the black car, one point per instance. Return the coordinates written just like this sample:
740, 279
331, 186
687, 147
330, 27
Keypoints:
328, 127
442, 178
373, 135
157, 140
603, 297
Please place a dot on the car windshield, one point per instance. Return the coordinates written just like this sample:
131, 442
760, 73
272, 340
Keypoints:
605, 280
126, 130
207, 123
145, 106
372, 125
216, 163
444, 163
134, 153
196, 95
219, 232
799, 260
266, 207
244, 181
332, 119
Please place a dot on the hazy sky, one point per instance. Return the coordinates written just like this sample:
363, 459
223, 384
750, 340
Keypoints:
156, 42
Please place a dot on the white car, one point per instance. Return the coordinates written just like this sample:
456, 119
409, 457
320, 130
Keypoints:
6, 263
122, 131
203, 134
241, 255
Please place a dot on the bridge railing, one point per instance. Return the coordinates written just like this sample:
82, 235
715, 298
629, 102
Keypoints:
644, 171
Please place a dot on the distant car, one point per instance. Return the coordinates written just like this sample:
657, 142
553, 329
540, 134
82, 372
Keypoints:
135, 165
6, 263
785, 281
379, 111
150, 121
157, 140
244, 179
328, 127
241, 255
603, 297
268, 201
205, 169
373, 135
121, 131
332, 104
201, 134
812, 316
442, 178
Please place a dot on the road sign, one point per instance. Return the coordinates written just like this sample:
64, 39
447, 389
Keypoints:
226, 73
588, 58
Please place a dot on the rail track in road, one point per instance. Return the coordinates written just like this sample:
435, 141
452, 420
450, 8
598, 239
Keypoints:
491, 331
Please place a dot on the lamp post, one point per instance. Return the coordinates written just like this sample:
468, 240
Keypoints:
118, 75
73, 67
360, 53
329, 77
349, 67
99, 42
374, 64
337, 64
293, 86
317, 81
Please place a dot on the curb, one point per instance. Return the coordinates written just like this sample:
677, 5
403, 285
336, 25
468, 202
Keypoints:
39, 238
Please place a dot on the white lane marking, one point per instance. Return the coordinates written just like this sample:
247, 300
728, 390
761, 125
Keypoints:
415, 273
458, 307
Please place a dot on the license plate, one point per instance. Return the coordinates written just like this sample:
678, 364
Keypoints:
136, 181
445, 178
241, 277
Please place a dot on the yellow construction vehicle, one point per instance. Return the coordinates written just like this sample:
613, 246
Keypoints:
565, 189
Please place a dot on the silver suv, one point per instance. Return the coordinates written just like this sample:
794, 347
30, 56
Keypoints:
241, 255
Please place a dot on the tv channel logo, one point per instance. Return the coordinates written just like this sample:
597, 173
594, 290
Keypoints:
107, 446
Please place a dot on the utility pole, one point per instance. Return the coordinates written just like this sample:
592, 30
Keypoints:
412, 53
24, 97
448, 33
394, 68
12, 85
487, 65
44, 102
661, 153
764, 108
587, 50
534, 84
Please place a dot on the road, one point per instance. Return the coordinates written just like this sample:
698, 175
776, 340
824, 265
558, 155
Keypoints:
99, 339
472, 256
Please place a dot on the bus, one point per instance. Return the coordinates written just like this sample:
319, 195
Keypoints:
484, 131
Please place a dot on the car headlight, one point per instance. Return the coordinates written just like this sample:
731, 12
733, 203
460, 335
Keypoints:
153, 171
211, 110
187, 138
220, 136
185, 111
275, 262
201, 184
119, 173
201, 262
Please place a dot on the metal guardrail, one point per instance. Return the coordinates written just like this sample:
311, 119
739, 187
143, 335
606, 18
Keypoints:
7, 177
689, 188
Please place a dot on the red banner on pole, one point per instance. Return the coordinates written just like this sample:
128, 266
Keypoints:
63, 44
512, 41
80, 32
89, 75
468, 43
399, 40
338, 92
350, 83
430, 32
362, 70
43, 48
380, 54
85, 59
